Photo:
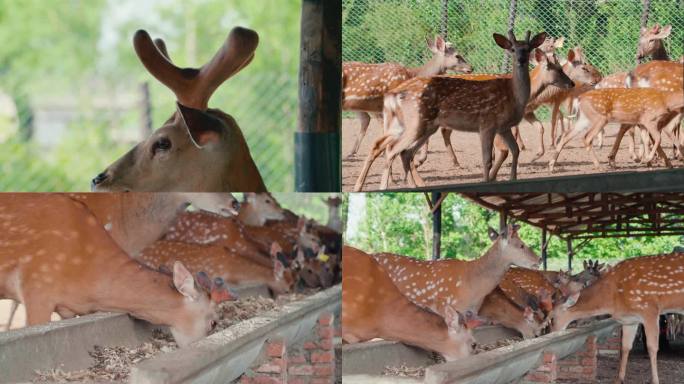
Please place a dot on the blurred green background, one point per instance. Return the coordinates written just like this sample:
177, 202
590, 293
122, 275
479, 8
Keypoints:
401, 223
72, 96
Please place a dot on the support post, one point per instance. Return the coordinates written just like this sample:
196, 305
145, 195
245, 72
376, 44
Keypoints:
317, 140
503, 218
511, 25
436, 226
569, 244
644, 18
444, 29
543, 251
146, 109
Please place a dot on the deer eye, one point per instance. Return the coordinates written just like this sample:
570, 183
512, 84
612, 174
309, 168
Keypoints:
162, 144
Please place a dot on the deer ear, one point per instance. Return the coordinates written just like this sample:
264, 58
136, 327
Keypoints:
528, 313
278, 269
452, 317
183, 281
440, 45
571, 300
493, 234
664, 32
203, 128
503, 42
537, 40
539, 56
571, 56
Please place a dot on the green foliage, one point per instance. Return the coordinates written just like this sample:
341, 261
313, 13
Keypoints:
79, 53
401, 223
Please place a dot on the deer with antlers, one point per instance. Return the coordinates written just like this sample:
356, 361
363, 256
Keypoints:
373, 307
414, 110
56, 257
634, 291
463, 285
198, 148
363, 85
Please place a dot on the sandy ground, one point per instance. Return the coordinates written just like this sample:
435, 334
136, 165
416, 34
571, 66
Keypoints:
670, 366
439, 170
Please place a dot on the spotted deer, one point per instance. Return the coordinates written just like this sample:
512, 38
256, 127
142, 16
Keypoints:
463, 285
500, 309
647, 107
651, 42
414, 110
221, 262
198, 148
363, 85
634, 291
56, 257
373, 307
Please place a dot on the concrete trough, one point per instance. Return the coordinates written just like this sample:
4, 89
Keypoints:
224, 356
364, 363
65, 344
372, 357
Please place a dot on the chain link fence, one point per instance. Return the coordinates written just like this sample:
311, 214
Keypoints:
74, 97
376, 31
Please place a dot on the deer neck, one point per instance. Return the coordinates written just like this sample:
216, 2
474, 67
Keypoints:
251, 216
593, 301
520, 83
137, 290
433, 335
431, 68
484, 274
136, 220
240, 173
660, 53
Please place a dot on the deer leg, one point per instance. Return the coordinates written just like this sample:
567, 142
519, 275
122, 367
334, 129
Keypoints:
616, 145
378, 147
652, 331
580, 126
518, 138
487, 142
13, 311
38, 310
364, 119
500, 157
532, 119
556, 117
588, 142
422, 154
509, 139
655, 133
446, 135
628, 334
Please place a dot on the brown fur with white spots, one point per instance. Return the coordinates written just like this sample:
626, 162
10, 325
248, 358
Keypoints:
417, 108
56, 257
218, 261
135, 220
647, 107
364, 85
462, 285
197, 149
373, 307
634, 291
500, 309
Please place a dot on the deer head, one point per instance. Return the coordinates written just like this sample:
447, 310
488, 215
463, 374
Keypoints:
259, 208
548, 47
520, 49
446, 56
460, 326
283, 271
197, 149
579, 70
550, 71
651, 40
512, 248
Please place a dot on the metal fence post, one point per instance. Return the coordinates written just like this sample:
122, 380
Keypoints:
445, 20
544, 254
644, 20
436, 227
146, 108
511, 25
570, 255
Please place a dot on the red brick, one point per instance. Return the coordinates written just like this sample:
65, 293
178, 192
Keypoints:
320, 380
275, 349
589, 361
245, 380
310, 345
537, 377
296, 359
266, 380
322, 357
301, 370
324, 370
297, 380
269, 368
325, 332
326, 344
549, 357
326, 319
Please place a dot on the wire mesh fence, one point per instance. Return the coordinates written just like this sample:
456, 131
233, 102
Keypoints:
74, 97
376, 31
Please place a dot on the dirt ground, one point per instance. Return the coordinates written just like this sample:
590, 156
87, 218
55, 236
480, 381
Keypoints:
438, 169
670, 366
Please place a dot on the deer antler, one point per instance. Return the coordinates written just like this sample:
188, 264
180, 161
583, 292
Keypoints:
193, 87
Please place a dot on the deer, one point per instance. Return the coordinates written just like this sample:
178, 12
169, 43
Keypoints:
634, 291
499, 308
56, 257
543, 80
647, 107
651, 43
221, 262
373, 307
198, 149
463, 285
414, 110
363, 85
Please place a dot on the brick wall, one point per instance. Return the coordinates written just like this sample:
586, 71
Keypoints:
310, 362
